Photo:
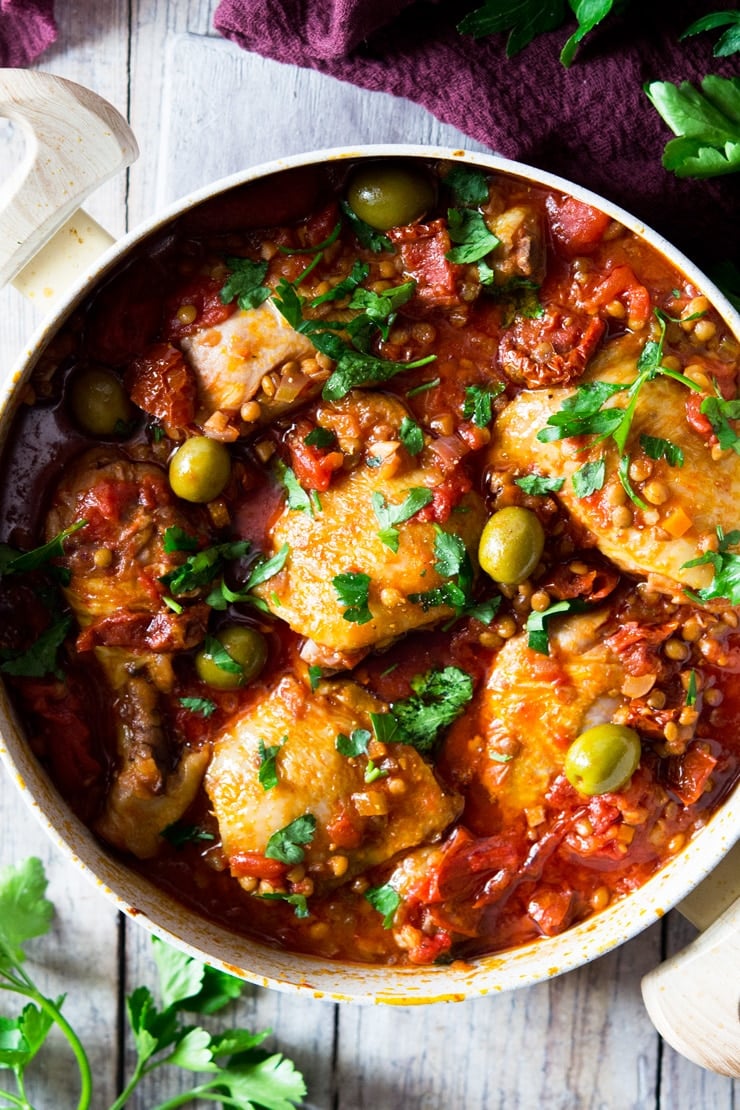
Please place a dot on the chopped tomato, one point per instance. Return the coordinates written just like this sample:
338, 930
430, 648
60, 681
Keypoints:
577, 227
619, 283
695, 417
162, 384
254, 864
423, 249
313, 466
689, 773
195, 305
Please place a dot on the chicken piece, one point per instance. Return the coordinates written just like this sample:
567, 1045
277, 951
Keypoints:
521, 250
231, 360
532, 707
344, 538
115, 562
699, 496
358, 824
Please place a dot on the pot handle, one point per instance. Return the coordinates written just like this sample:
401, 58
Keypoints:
693, 999
74, 141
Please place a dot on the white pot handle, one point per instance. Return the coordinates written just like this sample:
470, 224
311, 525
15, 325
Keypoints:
74, 141
693, 999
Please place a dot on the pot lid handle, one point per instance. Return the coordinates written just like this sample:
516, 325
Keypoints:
74, 141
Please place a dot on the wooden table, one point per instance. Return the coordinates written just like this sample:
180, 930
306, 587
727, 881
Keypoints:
202, 109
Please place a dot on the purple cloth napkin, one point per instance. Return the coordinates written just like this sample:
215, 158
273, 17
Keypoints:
27, 27
591, 123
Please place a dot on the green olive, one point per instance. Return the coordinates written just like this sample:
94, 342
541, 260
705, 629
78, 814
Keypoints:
99, 403
511, 545
200, 469
385, 194
602, 759
246, 649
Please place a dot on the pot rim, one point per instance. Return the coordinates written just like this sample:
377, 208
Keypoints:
139, 899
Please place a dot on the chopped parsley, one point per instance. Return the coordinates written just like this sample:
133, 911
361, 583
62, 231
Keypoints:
537, 623
267, 774
691, 689
478, 403
437, 699
411, 436
584, 413
41, 657
655, 447
452, 561
353, 591
315, 674
14, 562
468, 230
297, 901
385, 900
287, 843
469, 186
214, 650
726, 565
388, 516
320, 437
201, 568
178, 834
590, 478
298, 499
355, 745
705, 121
537, 485
367, 236
719, 413
423, 387
204, 707
262, 570
245, 283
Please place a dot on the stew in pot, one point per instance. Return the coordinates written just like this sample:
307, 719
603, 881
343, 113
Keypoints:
370, 576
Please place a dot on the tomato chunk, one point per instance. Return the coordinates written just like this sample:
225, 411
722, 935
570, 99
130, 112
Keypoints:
578, 228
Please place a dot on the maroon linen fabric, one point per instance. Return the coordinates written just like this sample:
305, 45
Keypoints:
592, 123
27, 27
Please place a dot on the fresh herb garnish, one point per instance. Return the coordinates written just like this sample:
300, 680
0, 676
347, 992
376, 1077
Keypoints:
385, 900
478, 403
287, 843
353, 591
320, 437
423, 387
201, 568
691, 689
313, 248
204, 707
537, 485
262, 570
14, 562
590, 478
298, 499
245, 283
357, 368
469, 231
655, 447
411, 436
525, 19
719, 413
267, 774
706, 123
388, 516
356, 744
177, 539
584, 413
299, 902
41, 657
452, 561
235, 1071
315, 674
367, 236
537, 623
346, 286
726, 564
178, 834
469, 186
438, 698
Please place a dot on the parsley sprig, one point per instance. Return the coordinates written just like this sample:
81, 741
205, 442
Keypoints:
389, 515
726, 565
525, 19
453, 562
353, 591
235, 1070
586, 412
437, 699
706, 123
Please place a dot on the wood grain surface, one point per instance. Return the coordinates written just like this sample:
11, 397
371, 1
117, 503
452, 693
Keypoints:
201, 109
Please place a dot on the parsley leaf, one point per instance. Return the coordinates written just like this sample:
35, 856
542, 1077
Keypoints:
357, 368
719, 413
523, 19
262, 570
411, 436
729, 42
469, 186
320, 437
178, 834
214, 650
537, 622
478, 403
177, 539
385, 900
297, 901
353, 591
537, 485
267, 774
203, 706
201, 568
287, 843
390, 515
590, 478
315, 674
707, 124
298, 499
13, 562
726, 564
469, 231
41, 657
346, 286
589, 13
245, 283
655, 447
438, 698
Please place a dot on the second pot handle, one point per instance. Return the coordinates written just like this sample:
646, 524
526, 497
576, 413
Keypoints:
74, 141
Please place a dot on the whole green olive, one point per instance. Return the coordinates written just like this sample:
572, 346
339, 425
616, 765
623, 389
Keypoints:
511, 545
602, 759
386, 194
199, 469
98, 402
246, 655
